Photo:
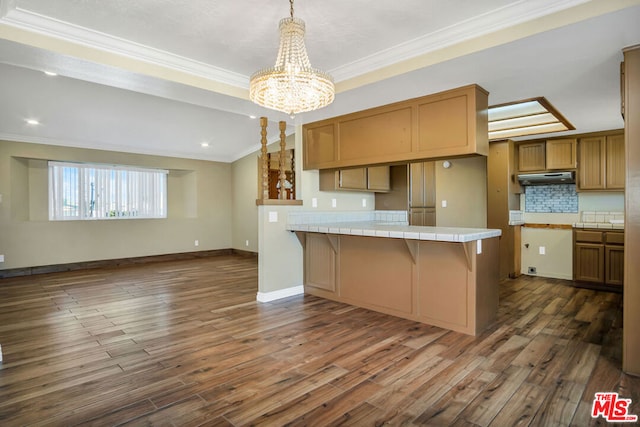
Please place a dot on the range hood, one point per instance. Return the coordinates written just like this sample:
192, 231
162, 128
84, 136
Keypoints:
568, 177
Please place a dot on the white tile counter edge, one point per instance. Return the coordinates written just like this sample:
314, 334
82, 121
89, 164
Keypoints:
412, 232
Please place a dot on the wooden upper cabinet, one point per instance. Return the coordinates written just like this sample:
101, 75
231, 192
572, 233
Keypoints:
378, 135
446, 124
561, 154
531, 156
592, 163
320, 144
453, 124
615, 165
379, 178
602, 163
375, 178
355, 179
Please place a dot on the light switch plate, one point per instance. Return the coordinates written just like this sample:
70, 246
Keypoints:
542, 250
334, 203
273, 216
314, 202
1, 258
444, 203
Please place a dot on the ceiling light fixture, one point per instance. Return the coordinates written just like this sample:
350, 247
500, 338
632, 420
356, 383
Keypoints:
50, 73
32, 122
292, 85
204, 144
523, 118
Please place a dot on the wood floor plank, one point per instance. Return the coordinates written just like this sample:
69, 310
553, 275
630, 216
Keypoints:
185, 343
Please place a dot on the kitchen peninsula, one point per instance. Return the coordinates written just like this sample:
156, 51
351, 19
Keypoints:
443, 276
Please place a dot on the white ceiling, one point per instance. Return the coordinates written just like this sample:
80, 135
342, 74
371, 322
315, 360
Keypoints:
162, 76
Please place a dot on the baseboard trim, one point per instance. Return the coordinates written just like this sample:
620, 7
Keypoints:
120, 262
279, 294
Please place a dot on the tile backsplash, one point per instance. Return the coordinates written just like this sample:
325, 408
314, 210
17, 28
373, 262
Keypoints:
557, 198
315, 217
599, 216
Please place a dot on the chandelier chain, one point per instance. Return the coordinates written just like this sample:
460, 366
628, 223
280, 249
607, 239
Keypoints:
291, 2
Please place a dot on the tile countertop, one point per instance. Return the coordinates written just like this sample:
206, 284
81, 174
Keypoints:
398, 231
600, 225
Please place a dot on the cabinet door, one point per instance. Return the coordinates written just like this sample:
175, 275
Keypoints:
589, 262
429, 217
416, 216
374, 137
531, 157
319, 145
378, 178
422, 216
422, 182
319, 262
561, 154
355, 179
615, 162
416, 184
592, 164
614, 265
429, 183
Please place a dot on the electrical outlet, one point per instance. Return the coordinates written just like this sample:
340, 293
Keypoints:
1, 258
532, 270
196, 243
364, 203
314, 202
246, 243
444, 203
334, 203
542, 250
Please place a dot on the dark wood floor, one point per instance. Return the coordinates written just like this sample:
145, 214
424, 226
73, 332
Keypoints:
185, 344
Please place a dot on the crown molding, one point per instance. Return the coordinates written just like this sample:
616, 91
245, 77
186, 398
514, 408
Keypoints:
499, 19
16, 17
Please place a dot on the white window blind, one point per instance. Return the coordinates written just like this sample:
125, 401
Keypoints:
79, 191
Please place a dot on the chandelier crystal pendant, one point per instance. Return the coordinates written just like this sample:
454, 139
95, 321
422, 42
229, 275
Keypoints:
292, 85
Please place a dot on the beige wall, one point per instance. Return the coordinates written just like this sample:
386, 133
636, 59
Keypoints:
464, 187
199, 208
244, 179
557, 262
280, 253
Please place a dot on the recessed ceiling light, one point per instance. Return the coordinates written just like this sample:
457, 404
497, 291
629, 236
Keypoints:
204, 144
32, 122
527, 117
252, 117
50, 73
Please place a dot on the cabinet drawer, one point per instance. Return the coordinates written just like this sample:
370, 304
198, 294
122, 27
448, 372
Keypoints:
614, 238
589, 236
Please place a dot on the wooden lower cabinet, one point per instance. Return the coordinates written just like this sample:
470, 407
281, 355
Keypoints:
452, 285
589, 262
320, 261
614, 265
598, 257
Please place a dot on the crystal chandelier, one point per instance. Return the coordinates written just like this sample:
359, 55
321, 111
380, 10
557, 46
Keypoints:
292, 85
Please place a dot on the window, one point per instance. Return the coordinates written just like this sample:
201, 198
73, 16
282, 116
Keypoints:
80, 191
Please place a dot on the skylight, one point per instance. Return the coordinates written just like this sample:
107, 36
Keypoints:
527, 117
